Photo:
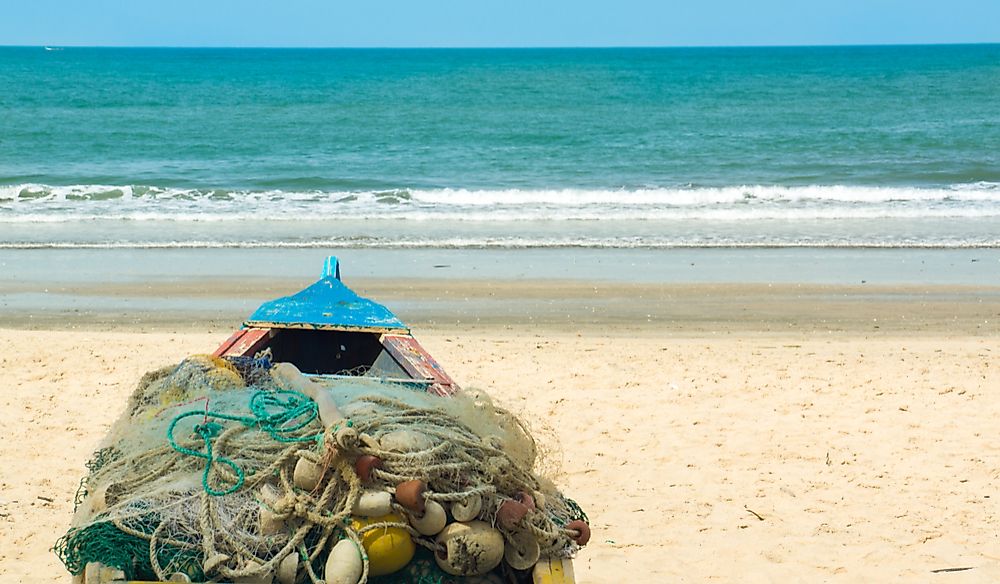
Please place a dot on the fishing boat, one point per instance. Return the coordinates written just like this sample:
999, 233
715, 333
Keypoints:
327, 330
329, 334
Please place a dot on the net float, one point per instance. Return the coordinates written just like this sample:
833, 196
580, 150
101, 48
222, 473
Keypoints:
526, 499
269, 523
288, 568
433, 519
582, 529
344, 564
307, 474
467, 509
364, 466
373, 504
388, 548
511, 513
521, 551
469, 549
410, 494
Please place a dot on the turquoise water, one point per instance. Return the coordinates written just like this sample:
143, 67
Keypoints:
855, 146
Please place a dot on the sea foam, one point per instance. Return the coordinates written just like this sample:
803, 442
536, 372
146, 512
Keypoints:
43, 203
964, 215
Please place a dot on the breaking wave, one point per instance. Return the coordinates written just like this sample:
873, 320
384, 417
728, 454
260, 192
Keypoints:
32, 203
110, 216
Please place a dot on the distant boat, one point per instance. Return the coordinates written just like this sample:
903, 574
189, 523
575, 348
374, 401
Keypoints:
53, 48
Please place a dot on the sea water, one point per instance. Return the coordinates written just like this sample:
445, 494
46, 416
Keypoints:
848, 147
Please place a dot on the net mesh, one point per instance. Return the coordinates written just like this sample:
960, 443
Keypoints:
198, 476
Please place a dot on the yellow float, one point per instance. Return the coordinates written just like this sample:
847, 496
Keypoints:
388, 548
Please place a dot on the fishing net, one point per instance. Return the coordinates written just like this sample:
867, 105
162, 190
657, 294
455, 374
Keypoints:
218, 470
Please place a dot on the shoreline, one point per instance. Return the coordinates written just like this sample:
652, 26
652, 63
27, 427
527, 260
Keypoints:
821, 265
453, 305
632, 292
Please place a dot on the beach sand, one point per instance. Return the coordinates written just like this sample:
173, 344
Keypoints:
797, 434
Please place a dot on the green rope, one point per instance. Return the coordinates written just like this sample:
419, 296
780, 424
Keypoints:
294, 412
281, 423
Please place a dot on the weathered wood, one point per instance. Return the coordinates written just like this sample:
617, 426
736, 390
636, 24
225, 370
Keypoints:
418, 363
329, 305
228, 343
249, 343
553, 571
322, 327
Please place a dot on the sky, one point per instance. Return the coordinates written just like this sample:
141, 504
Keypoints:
495, 23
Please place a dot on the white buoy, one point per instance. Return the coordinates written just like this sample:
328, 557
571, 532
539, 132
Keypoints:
344, 565
467, 509
373, 504
288, 568
432, 521
469, 549
307, 474
521, 550
269, 523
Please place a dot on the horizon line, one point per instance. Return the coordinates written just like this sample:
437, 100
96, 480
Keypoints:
503, 48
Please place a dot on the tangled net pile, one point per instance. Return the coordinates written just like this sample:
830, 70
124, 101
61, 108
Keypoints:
219, 470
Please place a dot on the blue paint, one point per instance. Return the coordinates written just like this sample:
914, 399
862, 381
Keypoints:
331, 268
327, 304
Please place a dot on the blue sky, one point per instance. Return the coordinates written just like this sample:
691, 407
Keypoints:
485, 23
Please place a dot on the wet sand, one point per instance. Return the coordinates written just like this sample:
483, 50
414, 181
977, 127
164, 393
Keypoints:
614, 308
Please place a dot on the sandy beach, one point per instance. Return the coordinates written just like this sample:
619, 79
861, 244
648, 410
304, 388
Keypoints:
746, 434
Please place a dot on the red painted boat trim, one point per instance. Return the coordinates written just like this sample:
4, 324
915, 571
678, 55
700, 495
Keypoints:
418, 363
244, 343
228, 343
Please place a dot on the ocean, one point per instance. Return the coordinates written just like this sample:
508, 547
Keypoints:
832, 147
